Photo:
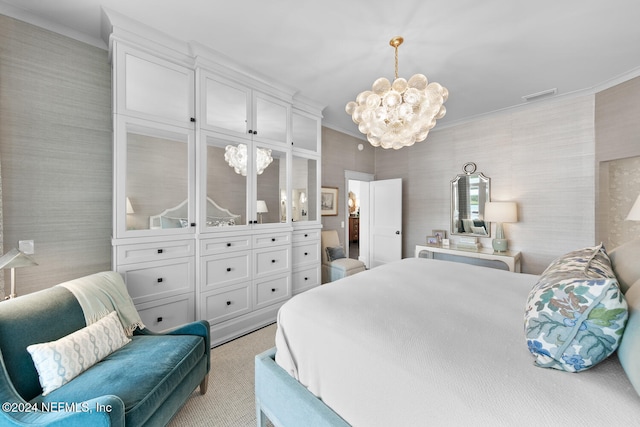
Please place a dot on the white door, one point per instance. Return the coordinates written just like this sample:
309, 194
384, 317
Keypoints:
385, 221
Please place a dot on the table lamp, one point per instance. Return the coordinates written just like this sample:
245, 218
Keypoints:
634, 213
14, 259
261, 207
500, 212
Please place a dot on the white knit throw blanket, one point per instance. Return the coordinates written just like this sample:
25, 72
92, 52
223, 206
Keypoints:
101, 293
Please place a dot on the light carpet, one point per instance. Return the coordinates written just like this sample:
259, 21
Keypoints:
230, 400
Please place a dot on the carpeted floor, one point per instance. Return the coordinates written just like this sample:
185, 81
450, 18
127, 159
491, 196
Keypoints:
229, 402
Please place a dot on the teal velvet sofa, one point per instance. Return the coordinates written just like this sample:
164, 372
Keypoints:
144, 383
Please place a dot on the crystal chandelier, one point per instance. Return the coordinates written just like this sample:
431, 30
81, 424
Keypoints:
237, 158
400, 114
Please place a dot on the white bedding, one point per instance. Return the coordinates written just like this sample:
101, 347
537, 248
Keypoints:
424, 342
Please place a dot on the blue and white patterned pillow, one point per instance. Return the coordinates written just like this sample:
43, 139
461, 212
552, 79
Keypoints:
58, 362
576, 313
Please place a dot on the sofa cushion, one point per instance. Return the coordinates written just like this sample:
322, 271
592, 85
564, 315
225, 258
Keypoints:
60, 361
144, 373
38, 317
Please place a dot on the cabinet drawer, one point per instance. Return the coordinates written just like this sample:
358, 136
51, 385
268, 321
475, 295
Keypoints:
223, 245
270, 291
161, 279
220, 305
307, 253
225, 270
271, 239
305, 235
127, 254
272, 261
168, 312
305, 279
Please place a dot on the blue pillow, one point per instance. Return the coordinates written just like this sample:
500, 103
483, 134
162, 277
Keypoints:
576, 313
335, 253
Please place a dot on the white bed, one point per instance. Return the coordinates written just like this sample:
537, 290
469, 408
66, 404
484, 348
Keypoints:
427, 342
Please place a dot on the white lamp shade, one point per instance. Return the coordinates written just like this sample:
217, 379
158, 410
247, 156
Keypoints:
261, 206
501, 212
634, 213
129, 207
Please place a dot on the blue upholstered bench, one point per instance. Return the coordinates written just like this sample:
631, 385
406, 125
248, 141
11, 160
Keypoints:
144, 383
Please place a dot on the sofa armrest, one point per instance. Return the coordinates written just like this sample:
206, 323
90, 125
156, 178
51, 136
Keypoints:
200, 328
101, 411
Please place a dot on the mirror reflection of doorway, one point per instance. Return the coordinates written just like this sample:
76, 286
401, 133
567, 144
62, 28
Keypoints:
354, 206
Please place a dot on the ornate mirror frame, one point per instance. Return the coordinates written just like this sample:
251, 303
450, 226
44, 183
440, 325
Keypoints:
469, 192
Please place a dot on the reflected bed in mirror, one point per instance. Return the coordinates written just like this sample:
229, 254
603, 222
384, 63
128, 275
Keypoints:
177, 217
469, 193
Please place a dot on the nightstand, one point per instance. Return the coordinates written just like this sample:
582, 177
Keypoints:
486, 257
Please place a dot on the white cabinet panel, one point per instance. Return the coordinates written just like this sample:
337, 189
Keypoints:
270, 291
306, 253
225, 270
272, 261
153, 280
224, 304
306, 279
167, 313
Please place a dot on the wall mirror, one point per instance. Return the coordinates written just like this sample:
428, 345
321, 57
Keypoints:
469, 193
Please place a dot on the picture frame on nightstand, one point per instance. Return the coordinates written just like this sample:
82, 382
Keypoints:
433, 240
440, 234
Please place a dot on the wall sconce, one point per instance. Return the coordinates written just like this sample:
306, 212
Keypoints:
15, 259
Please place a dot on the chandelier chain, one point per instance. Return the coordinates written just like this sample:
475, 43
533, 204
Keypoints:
396, 47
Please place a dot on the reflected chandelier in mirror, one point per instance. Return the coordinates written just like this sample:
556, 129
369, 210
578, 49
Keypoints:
469, 193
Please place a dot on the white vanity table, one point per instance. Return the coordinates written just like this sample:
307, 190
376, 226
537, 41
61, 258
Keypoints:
482, 256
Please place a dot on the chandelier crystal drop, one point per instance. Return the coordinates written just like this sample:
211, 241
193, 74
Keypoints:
398, 114
237, 158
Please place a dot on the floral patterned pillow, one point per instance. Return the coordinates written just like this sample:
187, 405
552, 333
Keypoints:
576, 313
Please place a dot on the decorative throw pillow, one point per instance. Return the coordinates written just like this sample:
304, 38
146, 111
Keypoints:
335, 253
58, 362
576, 313
630, 345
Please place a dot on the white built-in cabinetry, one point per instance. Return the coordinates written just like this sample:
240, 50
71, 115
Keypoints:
188, 236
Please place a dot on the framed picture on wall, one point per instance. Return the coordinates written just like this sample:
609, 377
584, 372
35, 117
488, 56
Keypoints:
329, 201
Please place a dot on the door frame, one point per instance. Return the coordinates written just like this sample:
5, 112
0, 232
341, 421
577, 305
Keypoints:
350, 175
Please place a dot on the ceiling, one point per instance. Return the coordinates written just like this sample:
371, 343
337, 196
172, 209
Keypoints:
488, 54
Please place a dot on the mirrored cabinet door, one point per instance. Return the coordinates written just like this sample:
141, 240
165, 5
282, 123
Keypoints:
270, 119
224, 202
305, 131
226, 105
304, 191
152, 88
155, 165
271, 185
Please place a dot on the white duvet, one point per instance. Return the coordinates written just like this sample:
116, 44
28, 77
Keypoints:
424, 342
